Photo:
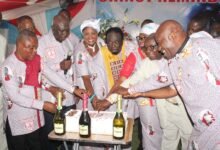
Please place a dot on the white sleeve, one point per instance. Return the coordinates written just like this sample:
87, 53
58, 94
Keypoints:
138, 76
51, 74
141, 73
56, 79
155, 81
11, 86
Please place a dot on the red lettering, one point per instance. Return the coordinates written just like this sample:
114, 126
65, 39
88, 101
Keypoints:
124, 0
161, 1
189, 1
212, 1
183, 1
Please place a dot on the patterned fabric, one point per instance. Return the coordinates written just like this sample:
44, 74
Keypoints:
86, 65
132, 63
195, 73
113, 64
52, 53
23, 110
151, 131
32, 71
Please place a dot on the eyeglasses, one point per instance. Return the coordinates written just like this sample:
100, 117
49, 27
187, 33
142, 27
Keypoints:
160, 50
140, 38
150, 48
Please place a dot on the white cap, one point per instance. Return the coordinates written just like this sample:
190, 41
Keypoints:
149, 28
93, 23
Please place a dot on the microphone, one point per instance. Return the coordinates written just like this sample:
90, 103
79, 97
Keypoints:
69, 55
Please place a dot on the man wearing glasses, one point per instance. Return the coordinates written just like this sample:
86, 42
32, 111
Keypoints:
173, 118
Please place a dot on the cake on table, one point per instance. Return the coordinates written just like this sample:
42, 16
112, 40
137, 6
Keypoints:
101, 122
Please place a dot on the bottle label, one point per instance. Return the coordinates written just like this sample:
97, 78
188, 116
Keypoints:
58, 128
84, 129
118, 132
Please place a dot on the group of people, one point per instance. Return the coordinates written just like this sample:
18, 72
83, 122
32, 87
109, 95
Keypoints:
168, 78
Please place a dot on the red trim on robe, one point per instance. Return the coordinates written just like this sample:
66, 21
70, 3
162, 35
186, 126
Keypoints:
38, 113
31, 78
141, 53
151, 102
32, 71
128, 66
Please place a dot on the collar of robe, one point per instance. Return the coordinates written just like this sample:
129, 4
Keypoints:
183, 45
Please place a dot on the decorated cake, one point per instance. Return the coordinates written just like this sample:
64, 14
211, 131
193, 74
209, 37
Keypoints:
101, 122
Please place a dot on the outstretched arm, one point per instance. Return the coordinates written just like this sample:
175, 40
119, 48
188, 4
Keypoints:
163, 93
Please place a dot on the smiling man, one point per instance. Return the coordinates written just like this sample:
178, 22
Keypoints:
54, 48
23, 109
193, 69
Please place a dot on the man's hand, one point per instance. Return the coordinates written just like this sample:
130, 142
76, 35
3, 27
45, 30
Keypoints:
94, 103
103, 105
55, 90
122, 91
134, 95
65, 64
80, 92
49, 107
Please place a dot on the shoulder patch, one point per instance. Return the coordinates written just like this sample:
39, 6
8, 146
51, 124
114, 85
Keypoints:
7, 74
162, 77
81, 58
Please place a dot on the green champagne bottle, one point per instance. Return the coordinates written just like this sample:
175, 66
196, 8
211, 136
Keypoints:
59, 120
119, 122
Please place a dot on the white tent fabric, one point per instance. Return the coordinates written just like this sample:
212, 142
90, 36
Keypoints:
36, 11
89, 11
31, 9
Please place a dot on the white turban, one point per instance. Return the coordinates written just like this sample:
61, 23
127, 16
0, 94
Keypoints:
149, 28
93, 23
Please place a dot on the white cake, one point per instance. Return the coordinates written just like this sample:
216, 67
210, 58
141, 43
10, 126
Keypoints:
101, 123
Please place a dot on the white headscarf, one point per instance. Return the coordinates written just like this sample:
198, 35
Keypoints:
149, 28
93, 23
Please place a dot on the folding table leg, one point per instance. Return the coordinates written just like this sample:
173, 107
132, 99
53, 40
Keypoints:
117, 147
75, 146
65, 145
